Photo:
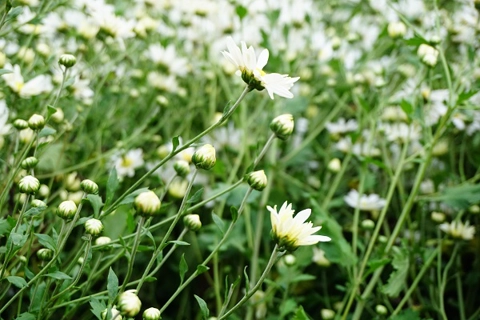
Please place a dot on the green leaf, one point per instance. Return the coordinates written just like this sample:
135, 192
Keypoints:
241, 11
247, 280
300, 314
464, 96
182, 267
201, 269
459, 197
408, 314
287, 307
175, 143
12, 14
5, 71
58, 275
203, 307
50, 110
219, 222
150, 279
16, 239
26, 316
97, 307
5, 227
406, 106
234, 213
96, 202
37, 294
112, 185
416, 41
46, 241
375, 264
197, 196
34, 211
112, 285
46, 131
179, 243
18, 282
397, 278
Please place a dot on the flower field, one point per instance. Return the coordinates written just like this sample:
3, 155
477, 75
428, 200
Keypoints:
239, 159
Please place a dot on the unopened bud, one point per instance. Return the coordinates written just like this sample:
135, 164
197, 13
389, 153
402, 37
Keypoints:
115, 314
182, 168
428, 54
36, 122
20, 124
282, 126
151, 314
67, 60
129, 303
88, 186
45, 254
438, 217
192, 222
103, 242
29, 163
204, 157
257, 180
178, 188
67, 209
396, 29
29, 184
327, 314
335, 165
147, 203
381, 309
93, 226
37, 203
290, 259
368, 224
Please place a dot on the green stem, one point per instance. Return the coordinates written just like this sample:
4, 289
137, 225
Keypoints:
133, 253
174, 152
443, 282
273, 258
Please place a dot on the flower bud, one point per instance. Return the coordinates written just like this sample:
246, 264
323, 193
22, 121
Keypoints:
368, 224
257, 180
381, 309
26, 135
282, 126
178, 188
335, 165
44, 191
204, 157
151, 314
428, 54
29, 184
93, 226
396, 29
103, 242
45, 254
67, 60
67, 209
58, 116
182, 168
36, 122
438, 217
72, 182
88, 186
115, 314
129, 303
474, 209
289, 260
192, 222
37, 203
20, 124
147, 203
29, 163
327, 314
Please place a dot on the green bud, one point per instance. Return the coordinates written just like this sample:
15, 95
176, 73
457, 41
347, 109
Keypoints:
37, 203
204, 157
103, 242
282, 126
151, 314
88, 186
129, 303
182, 168
29, 163
20, 124
67, 60
36, 122
192, 222
147, 203
257, 180
93, 226
45, 254
29, 184
67, 209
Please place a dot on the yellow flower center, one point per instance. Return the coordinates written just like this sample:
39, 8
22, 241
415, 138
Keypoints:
126, 162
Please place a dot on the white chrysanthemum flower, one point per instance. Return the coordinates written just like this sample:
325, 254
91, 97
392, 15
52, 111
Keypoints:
127, 163
458, 229
4, 127
168, 57
38, 85
251, 70
372, 202
342, 126
291, 232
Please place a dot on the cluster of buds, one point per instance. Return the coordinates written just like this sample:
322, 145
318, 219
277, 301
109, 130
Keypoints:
428, 54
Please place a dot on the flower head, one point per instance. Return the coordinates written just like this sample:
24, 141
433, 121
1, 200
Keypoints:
458, 229
371, 202
251, 70
291, 232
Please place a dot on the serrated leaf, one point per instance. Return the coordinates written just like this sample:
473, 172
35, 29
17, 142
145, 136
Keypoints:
46, 241
46, 131
112, 285
179, 243
375, 264
219, 222
196, 197
58, 275
5, 71
18, 282
203, 307
112, 185
97, 307
182, 267
396, 281
26, 316
96, 202
34, 211
175, 143
234, 213
201, 269
300, 314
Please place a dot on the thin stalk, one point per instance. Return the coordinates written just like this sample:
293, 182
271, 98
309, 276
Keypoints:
133, 253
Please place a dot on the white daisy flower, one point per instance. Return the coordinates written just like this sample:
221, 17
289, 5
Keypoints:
458, 230
38, 85
251, 70
126, 164
372, 202
291, 232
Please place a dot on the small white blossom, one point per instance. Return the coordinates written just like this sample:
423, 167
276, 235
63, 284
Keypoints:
371, 202
458, 229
